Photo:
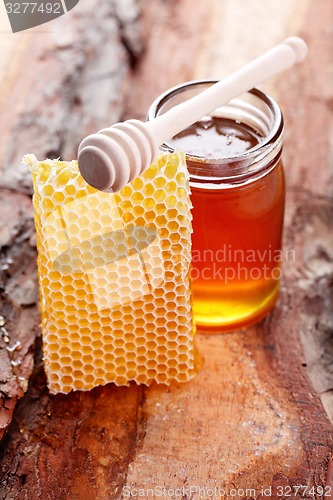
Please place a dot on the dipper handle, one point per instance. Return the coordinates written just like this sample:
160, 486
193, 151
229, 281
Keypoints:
114, 156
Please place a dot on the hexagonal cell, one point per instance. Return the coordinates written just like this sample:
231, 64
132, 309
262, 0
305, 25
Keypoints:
55, 366
78, 374
173, 335
150, 327
80, 294
172, 353
71, 299
67, 379
162, 378
141, 378
149, 203
172, 325
138, 198
181, 181
97, 344
48, 205
137, 184
176, 238
182, 348
173, 363
99, 372
141, 360
159, 293
130, 346
121, 380
59, 197
119, 355
151, 363
65, 360
131, 374
160, 220
121, 370
64, 351
137, 211
90, 379
70, 189
48, 190
52, 339
159, 181
139, 323
100, 283
159, 302
98, 353
54, 375
75, 346
151, 344
131, 365
162, 358
149, 317
140, 221
89, 368
129, 217
140, 342
171, 202
181, 376
183, 358
172, 372
98, 362
85, 340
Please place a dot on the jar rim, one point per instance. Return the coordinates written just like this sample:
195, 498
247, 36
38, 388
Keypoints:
272, 140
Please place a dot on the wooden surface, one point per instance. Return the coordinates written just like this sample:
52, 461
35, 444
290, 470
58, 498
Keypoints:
253, 417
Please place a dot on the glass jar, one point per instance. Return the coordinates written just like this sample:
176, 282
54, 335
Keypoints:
238, 196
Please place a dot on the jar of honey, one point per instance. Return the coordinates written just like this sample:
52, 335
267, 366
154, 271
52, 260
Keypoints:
238, 196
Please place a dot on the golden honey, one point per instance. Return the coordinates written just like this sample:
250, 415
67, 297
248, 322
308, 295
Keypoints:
238, 196
236, 255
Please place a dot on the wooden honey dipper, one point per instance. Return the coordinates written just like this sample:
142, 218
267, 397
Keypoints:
113, 157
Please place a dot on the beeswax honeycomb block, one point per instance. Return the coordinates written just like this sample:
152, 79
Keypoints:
114, 276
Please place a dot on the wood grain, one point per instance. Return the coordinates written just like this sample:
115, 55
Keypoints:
252, 418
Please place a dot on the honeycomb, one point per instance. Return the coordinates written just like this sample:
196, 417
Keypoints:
114, 279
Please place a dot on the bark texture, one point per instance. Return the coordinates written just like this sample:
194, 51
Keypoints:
253, 417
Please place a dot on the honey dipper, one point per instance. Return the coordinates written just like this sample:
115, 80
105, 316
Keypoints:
114, 156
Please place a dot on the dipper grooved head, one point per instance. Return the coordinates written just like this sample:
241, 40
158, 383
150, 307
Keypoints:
114, 156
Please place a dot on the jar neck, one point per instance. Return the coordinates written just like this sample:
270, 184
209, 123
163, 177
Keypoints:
254, 109
231, 174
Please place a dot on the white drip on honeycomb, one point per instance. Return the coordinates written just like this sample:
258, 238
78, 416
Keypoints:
114, 276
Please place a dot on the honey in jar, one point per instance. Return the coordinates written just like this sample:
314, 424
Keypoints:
238, 195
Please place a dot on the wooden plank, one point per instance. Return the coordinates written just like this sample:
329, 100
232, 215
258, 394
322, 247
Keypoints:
306, 98
253, 416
